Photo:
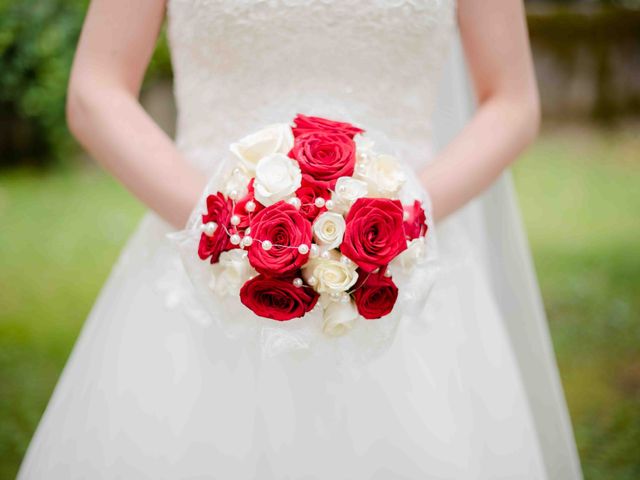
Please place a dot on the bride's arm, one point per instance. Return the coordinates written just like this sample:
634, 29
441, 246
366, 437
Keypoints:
495, 40
103, 112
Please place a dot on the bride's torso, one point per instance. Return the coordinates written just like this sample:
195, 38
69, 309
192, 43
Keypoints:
242, 64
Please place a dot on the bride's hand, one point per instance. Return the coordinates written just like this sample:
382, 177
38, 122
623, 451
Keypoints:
103, 112
496, 44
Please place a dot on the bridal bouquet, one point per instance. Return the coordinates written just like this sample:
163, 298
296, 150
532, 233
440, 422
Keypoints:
311, 219
310, 233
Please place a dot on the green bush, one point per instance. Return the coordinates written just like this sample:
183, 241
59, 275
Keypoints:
37, 42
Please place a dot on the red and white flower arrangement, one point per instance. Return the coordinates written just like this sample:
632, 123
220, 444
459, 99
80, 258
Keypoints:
311, 217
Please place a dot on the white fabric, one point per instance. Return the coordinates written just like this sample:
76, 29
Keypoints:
149, 393
498, 240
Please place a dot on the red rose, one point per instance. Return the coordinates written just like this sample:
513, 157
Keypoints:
324, 157
416, 224
241, 207
375, 295
307, 194
283, 226
374, 235
276, 298
219, 210
304, 124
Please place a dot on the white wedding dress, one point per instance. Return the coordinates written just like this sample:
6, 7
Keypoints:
474, 394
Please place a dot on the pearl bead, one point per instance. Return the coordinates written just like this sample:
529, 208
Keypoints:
235, 239
405, 216
329, 204
233, 194
235, 220
250, 206
326, 255
209, 228
387, 272
247, 241
312, 281
297, 282
342, 189
345, 298
295, 201
303, 249
345, 260
266, 245
319, 202
335, 295
314, 251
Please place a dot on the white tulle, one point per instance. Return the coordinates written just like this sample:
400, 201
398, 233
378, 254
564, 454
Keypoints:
150, 393
495, 236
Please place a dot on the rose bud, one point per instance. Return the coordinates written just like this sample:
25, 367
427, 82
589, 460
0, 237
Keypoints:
374, 234
416, 223
305, 124
375, 295
285, 230
276, 298
219, 210
324, 157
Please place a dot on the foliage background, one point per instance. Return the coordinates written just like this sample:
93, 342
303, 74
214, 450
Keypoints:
37, 41
578, 185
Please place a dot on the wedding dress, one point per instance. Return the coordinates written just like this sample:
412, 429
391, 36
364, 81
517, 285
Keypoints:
150, 393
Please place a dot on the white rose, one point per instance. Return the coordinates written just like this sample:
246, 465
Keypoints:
330, 275
231, 272
347, 191
277, 177
339, 318
237, 182
383, 175
412, 256
328, 230
251, 149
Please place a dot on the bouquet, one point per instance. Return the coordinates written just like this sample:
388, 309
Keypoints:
311, 219
309, 237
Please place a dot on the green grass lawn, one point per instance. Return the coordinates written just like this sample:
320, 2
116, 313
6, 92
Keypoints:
580, 194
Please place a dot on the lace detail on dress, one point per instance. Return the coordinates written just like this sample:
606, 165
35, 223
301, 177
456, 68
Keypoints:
241, 64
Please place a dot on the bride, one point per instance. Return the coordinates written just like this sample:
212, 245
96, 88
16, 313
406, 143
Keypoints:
148, 393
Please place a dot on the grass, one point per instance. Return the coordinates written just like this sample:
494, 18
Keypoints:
580, 195
60, 234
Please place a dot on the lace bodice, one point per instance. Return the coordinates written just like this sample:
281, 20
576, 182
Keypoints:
241, 64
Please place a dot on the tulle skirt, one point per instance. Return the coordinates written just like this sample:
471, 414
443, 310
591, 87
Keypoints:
150, 393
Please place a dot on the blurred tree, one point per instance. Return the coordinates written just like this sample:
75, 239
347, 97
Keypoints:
37, 42
37, 39
586, 54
